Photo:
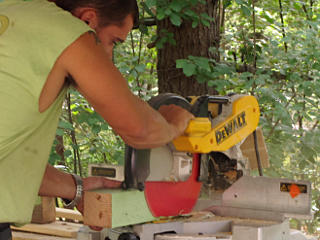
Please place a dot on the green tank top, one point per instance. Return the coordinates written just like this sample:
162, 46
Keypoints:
33, 34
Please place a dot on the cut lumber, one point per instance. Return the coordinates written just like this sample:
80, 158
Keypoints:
69, 214
33, 236
111, 208
45, 212
60, 229
249, 151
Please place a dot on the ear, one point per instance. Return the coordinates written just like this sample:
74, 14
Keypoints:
88, 15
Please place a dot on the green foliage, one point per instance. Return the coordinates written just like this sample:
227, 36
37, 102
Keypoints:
137, 63
163, 38
178, 11
94, 137
245, 7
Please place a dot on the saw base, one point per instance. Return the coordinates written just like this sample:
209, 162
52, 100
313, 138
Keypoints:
206, 226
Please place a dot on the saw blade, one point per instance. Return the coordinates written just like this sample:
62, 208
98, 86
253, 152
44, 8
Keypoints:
174, 198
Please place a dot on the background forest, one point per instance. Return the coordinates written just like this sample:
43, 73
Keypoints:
269, 49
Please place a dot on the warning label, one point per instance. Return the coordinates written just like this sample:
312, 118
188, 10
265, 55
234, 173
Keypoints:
287, 187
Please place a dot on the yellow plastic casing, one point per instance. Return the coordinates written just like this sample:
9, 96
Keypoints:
201, 137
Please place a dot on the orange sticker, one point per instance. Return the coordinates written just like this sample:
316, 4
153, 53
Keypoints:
294, 190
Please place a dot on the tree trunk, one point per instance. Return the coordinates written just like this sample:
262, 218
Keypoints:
60, 150
189, 41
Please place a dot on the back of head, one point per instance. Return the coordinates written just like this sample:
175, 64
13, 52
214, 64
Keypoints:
109, 11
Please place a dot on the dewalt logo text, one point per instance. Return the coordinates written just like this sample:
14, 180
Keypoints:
231, 127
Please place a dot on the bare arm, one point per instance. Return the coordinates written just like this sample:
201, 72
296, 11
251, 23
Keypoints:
56, 183
103, 86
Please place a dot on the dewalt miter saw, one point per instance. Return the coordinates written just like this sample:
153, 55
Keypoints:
172, 176
205, 171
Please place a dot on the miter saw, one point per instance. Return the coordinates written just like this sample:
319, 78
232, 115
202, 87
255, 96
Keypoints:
171, 176
208, 158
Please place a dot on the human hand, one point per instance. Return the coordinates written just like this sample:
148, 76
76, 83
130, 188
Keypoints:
91, 183
177, 116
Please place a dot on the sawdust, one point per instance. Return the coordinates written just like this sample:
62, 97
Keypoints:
209, 216
201, 216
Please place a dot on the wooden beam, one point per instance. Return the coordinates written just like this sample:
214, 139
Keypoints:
115, 208
248, 150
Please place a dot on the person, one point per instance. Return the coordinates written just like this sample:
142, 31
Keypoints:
42, 44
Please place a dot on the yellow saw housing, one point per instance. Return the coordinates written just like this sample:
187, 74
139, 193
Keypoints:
204, 135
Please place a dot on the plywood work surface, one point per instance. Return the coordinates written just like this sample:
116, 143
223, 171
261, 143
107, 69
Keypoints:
60, 229
33, 236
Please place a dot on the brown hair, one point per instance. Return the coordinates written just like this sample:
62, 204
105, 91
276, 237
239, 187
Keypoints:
109, 11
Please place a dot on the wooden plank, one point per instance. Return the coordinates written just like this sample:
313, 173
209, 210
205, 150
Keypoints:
60, 229
115, 208
69, 214
248, 150
32, 236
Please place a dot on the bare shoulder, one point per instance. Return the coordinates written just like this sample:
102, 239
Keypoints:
88, 43
87, 46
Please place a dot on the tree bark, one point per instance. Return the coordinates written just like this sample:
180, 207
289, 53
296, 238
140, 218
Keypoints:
60, 150
189, 41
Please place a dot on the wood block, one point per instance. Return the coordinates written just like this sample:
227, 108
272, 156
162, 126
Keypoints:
69, 214
33, 236
115, 208
60, 229
44, 212
248, 150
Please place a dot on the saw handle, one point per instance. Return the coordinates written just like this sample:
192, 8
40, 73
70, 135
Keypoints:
198, 126
201, 105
